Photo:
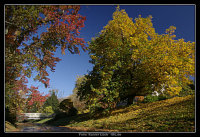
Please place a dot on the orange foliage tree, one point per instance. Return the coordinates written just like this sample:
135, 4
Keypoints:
27, 51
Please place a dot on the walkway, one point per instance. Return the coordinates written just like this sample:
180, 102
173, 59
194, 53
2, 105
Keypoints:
30, 127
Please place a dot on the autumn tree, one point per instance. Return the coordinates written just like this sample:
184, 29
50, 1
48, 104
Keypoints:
36, 100
131, 59
26, 50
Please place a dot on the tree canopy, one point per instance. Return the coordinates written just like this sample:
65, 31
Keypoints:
131, 59
26, 50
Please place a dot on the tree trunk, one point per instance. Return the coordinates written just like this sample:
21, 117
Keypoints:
130, 100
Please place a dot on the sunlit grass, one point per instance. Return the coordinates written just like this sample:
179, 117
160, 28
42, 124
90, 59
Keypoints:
10, 127
172, 115
43, 120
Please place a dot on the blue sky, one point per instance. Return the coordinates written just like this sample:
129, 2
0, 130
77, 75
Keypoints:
97, 16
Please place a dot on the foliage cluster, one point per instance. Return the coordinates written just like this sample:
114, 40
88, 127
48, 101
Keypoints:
131, 59
151, 98
35, 100
187, 90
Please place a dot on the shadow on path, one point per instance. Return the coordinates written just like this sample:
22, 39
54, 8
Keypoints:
31, 127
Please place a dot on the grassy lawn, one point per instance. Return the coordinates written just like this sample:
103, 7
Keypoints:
42, 121
172, 115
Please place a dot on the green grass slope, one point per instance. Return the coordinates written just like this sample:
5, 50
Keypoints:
172, 115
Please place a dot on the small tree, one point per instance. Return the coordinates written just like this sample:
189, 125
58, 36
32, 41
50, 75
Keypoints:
52, 100
35, 100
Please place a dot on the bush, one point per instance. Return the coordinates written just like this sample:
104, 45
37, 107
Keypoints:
150, 98
48, 109
66, 105
162, 97
66, 109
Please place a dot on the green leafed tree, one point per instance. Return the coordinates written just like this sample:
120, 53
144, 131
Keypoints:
52, 101
131, 59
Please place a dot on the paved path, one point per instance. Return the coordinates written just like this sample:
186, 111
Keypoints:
42, 128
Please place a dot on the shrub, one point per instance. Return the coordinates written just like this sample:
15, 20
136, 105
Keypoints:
162, 97
150, 98
66, 105
48, 109
66, 109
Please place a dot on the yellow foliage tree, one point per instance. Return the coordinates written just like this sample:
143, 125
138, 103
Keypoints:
131, 59
166, 61
161, 58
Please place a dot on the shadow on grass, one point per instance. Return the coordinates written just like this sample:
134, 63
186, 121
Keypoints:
68, 120
153, 117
